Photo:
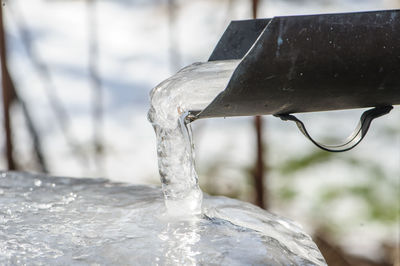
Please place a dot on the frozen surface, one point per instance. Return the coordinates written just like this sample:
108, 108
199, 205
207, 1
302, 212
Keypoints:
53, 220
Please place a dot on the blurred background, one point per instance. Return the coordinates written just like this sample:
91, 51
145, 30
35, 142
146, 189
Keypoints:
78, 79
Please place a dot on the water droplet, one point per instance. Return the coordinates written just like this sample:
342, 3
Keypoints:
38, 182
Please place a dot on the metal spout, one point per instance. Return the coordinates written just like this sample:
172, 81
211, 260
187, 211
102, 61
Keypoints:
309, 63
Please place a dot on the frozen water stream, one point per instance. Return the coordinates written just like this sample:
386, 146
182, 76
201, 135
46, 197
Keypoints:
192, 88
63, 221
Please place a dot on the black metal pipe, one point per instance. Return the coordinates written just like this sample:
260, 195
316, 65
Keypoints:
310, 63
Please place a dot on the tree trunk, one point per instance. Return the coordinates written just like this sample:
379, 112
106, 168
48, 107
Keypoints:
7, 95
259, 172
